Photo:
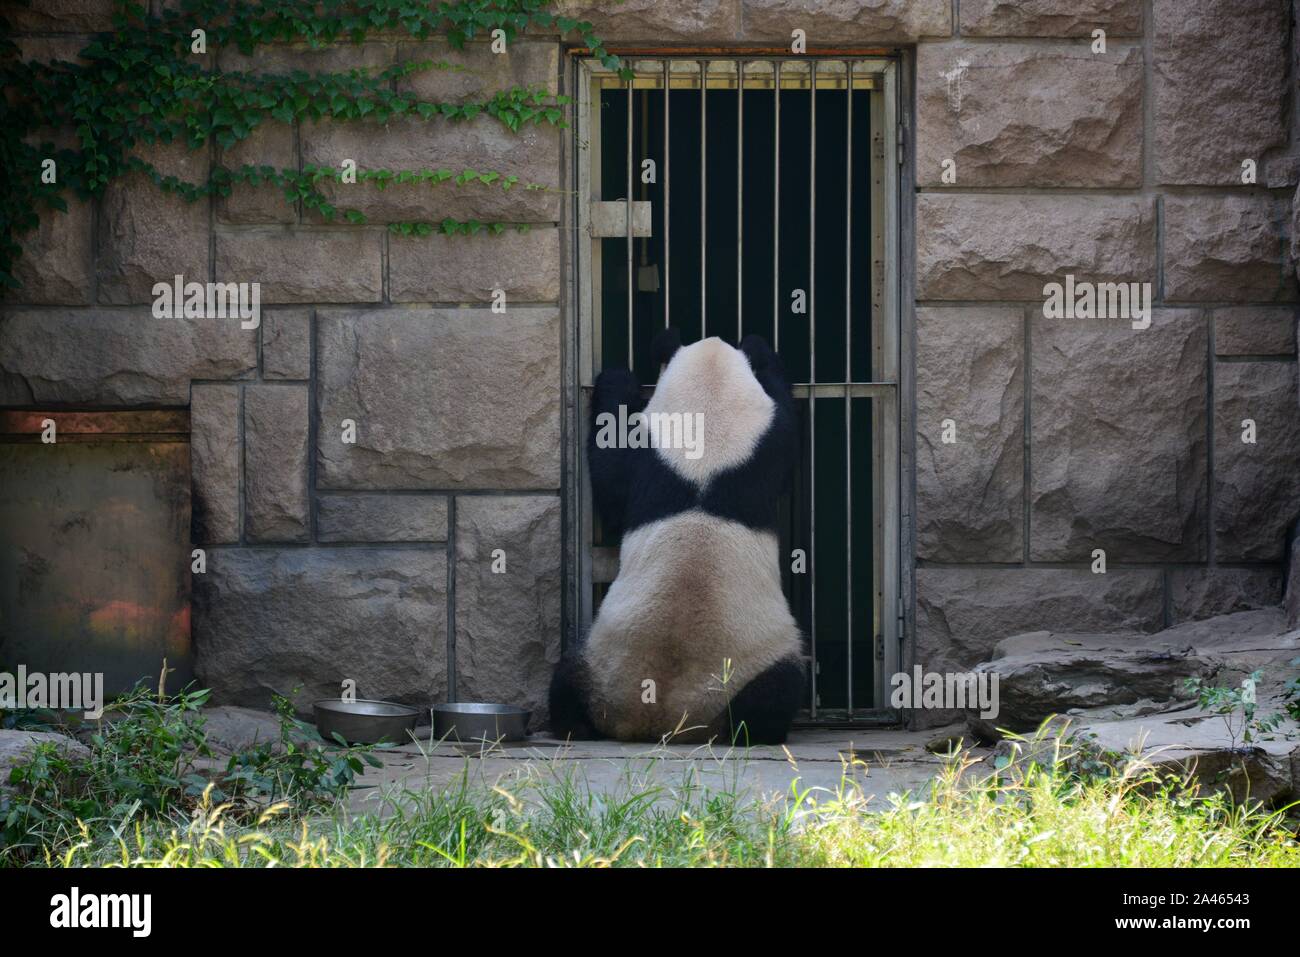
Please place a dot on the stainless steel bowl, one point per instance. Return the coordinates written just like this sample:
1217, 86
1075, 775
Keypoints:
365, 722
476, 722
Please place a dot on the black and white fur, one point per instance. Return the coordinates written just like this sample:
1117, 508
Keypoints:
697, 606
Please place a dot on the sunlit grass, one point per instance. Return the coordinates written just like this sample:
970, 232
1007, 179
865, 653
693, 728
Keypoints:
1020, 815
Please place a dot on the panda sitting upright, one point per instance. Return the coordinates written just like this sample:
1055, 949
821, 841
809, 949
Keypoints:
697, 607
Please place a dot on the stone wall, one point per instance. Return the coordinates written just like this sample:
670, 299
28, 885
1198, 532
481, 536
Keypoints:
329, 561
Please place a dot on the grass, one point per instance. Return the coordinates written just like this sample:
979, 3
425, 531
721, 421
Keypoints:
1025, 814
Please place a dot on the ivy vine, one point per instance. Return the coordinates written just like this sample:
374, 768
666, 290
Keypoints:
143, 84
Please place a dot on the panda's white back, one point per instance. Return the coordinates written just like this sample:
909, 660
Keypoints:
697, 606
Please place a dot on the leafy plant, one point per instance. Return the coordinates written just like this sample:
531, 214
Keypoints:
1236, 706
144, 84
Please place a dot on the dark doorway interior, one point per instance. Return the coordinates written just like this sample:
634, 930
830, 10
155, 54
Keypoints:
816, 239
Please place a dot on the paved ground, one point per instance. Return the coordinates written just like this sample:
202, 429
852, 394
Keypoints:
881, 761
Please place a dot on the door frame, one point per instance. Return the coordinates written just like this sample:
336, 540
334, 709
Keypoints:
893, 408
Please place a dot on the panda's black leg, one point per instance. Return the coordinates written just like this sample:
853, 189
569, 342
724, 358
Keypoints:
762, 711
570, 716
609, 464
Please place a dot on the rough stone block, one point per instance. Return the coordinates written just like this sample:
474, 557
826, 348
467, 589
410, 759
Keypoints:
1255, 331
147, 236
215, 463
272, 620
508, 623
695, 21
270, 144
1016, 115
115, 356
456, 398
440, 268
963, 612
839, 22
1198, 593
343, 264
1118, 439
288, 57
381, 518
56, 265
1050, 18
1256, 485
1010, 246
970, 493
276, 425
483, 144
59, 16
1227, 248
475, 74
286, 344
1219, 86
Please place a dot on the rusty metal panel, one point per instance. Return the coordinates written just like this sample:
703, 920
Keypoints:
94, 545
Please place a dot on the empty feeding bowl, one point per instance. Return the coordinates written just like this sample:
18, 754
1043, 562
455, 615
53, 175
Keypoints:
477, 722
365, 722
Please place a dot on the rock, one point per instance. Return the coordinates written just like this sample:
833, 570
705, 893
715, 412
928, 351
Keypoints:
1210, 114
287, 57
1291, 604
483, 143
1045, 673
276, 500
148, 236
840, 22
56, 265
1257, 485
689, 20
381, 518
1017, 115
230, 728
216, 462
17, 747
439, 268
442, 398
1255, 331
1009, 246
270, 144
970, 493
475, 73
1123, 467
304, 265
286, 344
1227, 249
106, 357
1199, 593
302, 621
508, 622
949, 740
64, 16
1050, 18
962, 613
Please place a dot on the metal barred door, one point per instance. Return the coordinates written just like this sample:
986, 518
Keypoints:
735, 195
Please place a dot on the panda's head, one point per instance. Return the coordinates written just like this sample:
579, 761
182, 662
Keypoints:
734, 393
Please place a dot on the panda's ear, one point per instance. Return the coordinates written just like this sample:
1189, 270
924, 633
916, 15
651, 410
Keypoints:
759, 353
665, 346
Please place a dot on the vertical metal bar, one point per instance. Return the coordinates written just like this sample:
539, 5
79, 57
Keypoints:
667, 87
630, 357
740, 199
704, 199
776, 206
848, 367
812, 360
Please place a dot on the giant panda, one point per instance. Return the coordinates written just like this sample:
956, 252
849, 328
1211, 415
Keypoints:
694, 639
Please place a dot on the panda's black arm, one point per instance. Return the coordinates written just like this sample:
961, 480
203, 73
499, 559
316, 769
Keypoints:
611, 466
